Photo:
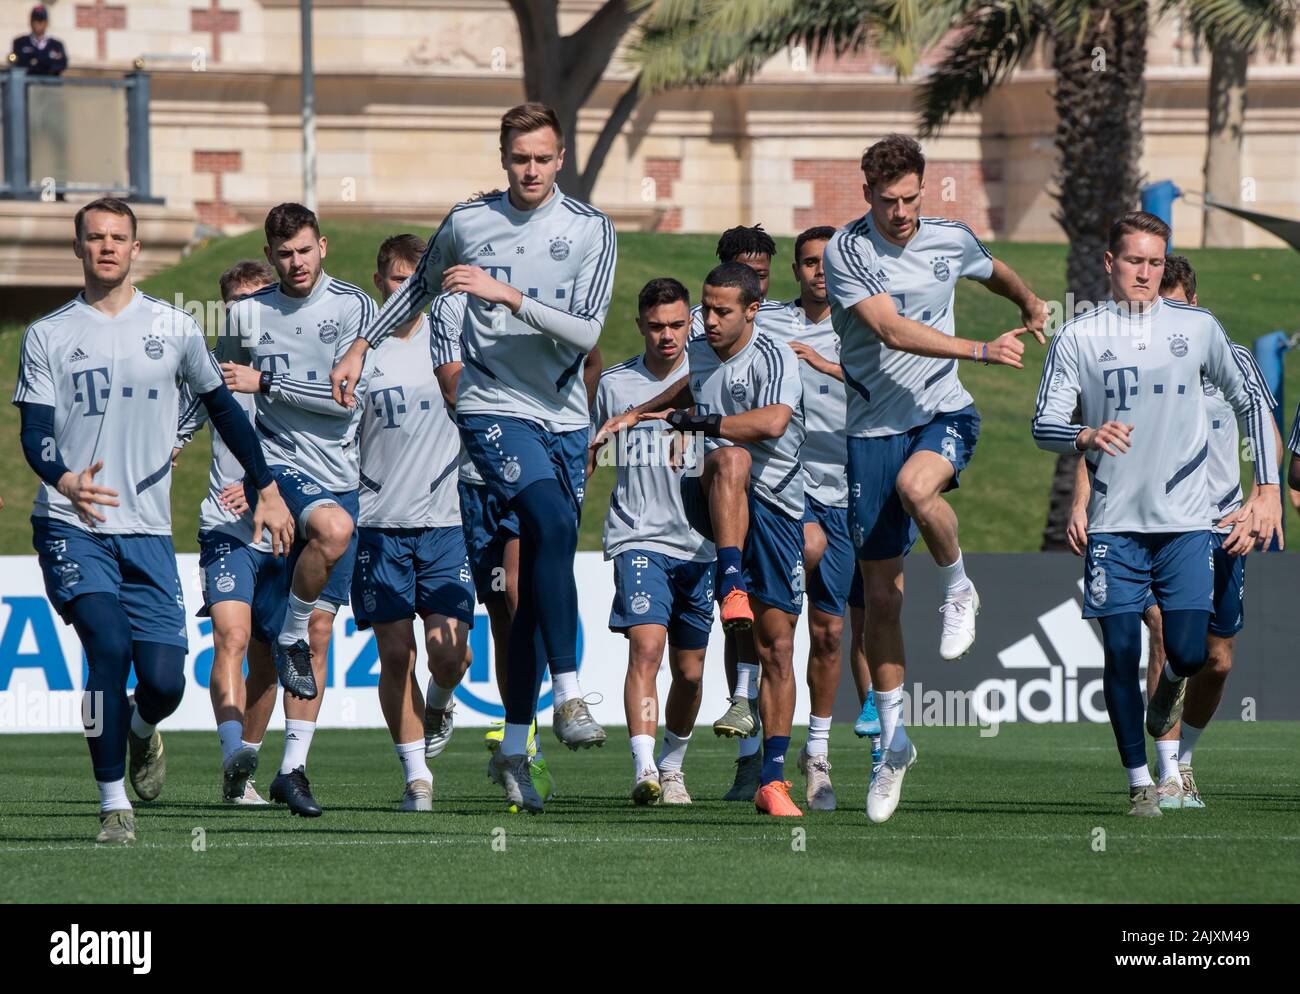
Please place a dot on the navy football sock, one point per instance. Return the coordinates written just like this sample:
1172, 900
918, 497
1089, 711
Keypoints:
1185, 634
774, 750
105, 633
1121, 637
731, 575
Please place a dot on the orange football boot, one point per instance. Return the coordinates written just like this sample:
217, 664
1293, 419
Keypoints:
736, 612
774, 799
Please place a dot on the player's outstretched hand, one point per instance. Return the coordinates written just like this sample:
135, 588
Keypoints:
346, 373
1007, 349
1111, 438
233, 498
241, 379
1076, 532
84, 493
273, 513
616, 424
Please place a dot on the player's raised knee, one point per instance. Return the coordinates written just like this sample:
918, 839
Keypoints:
331, 532
730, 462
914, 490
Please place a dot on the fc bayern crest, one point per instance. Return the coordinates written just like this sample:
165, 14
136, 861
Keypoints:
559, 249
640, 604
329, 332
225, 583
1178, 346
737, 389
941, 270
510, 471
153, 348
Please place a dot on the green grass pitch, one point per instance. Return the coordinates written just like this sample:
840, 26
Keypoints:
1014, 817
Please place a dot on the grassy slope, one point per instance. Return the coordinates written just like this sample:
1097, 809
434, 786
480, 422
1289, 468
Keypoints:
1008, 818
1002, 502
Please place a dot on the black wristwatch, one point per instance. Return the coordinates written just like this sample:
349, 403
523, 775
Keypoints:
264, 384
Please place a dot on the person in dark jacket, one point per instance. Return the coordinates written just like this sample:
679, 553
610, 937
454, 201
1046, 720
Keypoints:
38, 52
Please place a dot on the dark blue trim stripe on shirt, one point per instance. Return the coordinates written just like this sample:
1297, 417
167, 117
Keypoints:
857, 264
945, 222
1188, 469
776, 371
599, 287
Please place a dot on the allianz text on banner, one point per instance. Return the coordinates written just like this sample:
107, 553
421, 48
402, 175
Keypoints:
42, 668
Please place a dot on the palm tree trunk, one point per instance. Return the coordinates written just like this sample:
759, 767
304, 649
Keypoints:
1099, 95
1227, 119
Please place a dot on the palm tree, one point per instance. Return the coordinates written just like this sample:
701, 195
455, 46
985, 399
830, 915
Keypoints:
1098, 49
1234, 30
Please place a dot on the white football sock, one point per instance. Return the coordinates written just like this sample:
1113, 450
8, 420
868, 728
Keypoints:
297, 742
141, 727
751, 745
1171, 675
437, 697
643, 753
889, 705
747, 680
411, 756
1167, 755
231, 734
1140, 776
112, 795
819, 734
565, 686
296, 617
1187, 743
515, 741
673, 751
255, 746
954, 577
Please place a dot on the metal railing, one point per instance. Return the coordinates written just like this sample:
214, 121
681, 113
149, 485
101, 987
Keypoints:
75, 135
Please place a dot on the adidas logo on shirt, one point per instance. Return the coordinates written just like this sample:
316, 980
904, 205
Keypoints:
266, 339
77, 356
486, 250
1107, 356
730, 570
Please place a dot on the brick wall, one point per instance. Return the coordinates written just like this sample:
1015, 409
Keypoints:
664, 172
216, 211
837, 193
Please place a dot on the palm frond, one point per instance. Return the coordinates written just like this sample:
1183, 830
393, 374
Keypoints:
994, 38
1245, 23
695, 42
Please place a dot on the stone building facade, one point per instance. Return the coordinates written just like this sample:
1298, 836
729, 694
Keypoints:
409, 93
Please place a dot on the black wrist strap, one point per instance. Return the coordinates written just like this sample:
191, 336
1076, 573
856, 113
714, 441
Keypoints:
265, 381
706, 424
